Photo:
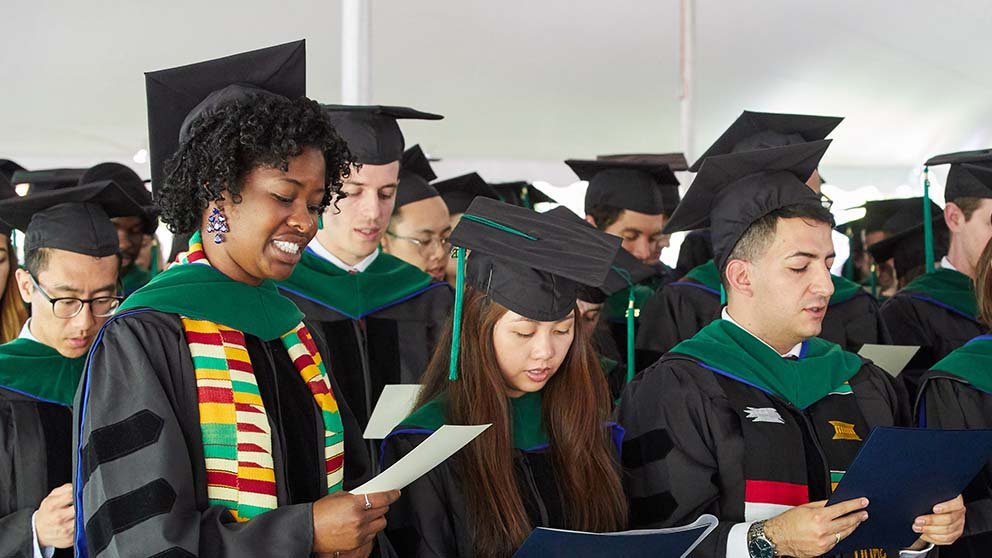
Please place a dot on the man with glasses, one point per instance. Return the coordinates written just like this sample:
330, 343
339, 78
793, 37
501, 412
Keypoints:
70, 280
419, 228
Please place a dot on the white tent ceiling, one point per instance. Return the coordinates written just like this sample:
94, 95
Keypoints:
525, 84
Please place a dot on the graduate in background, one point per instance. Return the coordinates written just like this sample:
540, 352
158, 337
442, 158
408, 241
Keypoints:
380, 316
938, 311
70, 281
682, 308
523, 364
754, 417
957, 394
458, 193
902, 249
419, 227
208, 423
520, 194
13, 313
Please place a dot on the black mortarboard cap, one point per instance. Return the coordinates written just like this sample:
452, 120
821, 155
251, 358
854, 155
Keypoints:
46, 180
532, 263
643, 187
733, 191
761, 130
175, 93
520, 193
6, 191
371, 131
459, 192
905, 243
879, 212
675, 161
625, 270
695, 250
970, 175
8, 168
129, 182
415, 176
74, 218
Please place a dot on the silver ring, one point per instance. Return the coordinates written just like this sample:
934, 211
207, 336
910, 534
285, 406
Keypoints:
837, 535
368, 505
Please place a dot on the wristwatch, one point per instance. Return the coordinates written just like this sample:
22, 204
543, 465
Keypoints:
758, 545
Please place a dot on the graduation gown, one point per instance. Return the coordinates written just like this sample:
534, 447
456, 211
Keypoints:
681, 309
700, 441
35, 458
957, 394
431, 518
387, 338
140, 472
936, 312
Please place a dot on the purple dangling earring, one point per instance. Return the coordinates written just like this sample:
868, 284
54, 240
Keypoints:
217, 225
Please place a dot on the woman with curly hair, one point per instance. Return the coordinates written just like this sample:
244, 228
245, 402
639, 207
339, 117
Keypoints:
208, 424
518, 360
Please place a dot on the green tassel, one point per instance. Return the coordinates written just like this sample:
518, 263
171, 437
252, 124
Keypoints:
456, 321
525, 197
320, 222
497, 226
630, 334
723, 295
927, 220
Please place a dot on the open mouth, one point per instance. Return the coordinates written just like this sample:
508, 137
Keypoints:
287, 247
368, 233
538, 375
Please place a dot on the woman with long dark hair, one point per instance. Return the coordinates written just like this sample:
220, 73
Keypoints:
523, 364
13, 312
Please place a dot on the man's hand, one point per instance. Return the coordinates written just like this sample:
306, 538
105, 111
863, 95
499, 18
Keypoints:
943, 527
55, 520
813, 529
342, 523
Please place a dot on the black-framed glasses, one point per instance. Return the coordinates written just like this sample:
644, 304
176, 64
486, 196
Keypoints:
67, 307
424, 245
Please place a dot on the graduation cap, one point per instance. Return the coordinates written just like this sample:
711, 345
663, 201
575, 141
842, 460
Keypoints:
643, 187
733, 191
520, 193
178, 96
371, 131
532, 263
47, 180
415, 176
878, 213
130, 182
761, 130
970, 175
459, 192
907, 235
6, 191
74, 218
675, 161
8, 168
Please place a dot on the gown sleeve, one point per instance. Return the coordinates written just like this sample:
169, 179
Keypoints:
675, 440
136, 490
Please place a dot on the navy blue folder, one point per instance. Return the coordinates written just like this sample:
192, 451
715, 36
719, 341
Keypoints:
904, 473
654, 543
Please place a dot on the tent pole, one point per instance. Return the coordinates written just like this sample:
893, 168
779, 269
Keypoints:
686, 47
356, 52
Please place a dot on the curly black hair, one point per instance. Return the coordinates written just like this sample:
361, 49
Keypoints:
226, 144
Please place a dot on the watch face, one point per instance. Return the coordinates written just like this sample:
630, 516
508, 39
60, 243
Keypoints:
761, 548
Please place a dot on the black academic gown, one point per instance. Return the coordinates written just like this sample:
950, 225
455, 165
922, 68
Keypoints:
936, 329
950, 402
431, 519
691, 435
681, 309
389, 346
35, 458
140, 468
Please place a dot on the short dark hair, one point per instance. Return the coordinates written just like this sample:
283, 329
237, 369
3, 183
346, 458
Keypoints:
759, 236
36, 261
968, 206
228, 143
604, 215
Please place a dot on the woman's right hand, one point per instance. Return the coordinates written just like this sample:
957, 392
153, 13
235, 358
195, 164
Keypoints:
341, 521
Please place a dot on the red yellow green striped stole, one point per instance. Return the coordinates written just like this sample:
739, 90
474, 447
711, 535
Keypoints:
237, 437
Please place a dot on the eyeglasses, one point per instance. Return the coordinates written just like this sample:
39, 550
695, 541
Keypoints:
69, 307
424, 245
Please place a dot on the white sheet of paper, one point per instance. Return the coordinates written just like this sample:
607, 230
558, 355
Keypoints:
395, 404
429, 454
891, 358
